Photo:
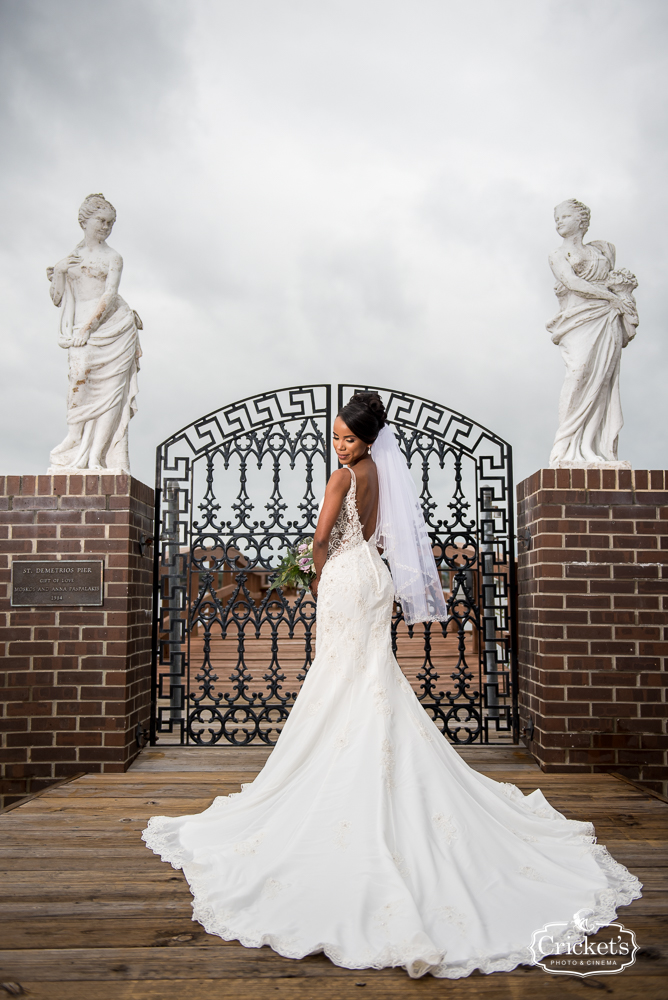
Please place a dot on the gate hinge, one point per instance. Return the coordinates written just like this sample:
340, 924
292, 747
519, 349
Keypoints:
144, 542
141, 734
528, 729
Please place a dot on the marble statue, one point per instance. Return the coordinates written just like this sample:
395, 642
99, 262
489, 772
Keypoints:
100, 333
597, 317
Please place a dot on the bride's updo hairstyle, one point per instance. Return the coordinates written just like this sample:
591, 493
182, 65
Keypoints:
364, 414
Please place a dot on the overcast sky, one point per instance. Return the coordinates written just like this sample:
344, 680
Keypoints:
333, 190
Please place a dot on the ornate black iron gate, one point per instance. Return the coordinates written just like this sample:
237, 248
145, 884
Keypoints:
239, 487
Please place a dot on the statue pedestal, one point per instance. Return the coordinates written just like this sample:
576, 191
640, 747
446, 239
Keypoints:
77, 677
600, 466
59, 471
593, 613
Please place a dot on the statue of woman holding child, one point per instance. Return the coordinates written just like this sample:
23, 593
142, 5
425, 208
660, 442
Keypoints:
100, 333
597, 319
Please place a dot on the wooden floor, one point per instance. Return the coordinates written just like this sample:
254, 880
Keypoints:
88, 913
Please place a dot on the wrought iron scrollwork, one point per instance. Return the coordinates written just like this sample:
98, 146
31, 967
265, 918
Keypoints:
239, 487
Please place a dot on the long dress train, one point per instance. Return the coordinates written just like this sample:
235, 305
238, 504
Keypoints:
366, 836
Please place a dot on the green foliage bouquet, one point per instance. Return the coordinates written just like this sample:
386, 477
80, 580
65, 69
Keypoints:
295, 569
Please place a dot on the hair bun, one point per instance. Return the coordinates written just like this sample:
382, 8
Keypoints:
374, 403
364, 414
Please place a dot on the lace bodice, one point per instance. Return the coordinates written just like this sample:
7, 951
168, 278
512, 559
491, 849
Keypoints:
347, 530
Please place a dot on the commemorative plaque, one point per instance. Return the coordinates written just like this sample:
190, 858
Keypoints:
58, 584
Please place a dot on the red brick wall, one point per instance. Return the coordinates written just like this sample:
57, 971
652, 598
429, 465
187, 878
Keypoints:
74, 682
593, 620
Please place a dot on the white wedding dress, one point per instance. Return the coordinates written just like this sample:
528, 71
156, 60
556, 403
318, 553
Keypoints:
366, 836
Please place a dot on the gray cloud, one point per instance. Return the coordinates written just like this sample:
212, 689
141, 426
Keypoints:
332, 191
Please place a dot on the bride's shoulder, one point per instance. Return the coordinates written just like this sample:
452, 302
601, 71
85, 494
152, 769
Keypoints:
340, 480
367, 467
366, 475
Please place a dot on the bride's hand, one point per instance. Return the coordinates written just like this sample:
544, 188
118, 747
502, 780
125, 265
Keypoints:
314, 585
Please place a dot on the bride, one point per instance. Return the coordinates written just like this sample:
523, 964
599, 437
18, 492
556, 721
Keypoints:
366, 836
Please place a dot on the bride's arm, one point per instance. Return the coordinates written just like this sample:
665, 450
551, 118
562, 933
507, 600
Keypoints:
337, 487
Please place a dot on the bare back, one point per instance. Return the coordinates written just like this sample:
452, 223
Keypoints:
367, 495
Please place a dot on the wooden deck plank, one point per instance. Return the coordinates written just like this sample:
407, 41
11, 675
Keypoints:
652, 903
150, 795
595, 782
178, 962
153, 909
183, 759
169, 931
227, 758
358, 986
19, 860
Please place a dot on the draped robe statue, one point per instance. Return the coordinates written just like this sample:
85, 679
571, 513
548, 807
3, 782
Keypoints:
597, 319
100, 333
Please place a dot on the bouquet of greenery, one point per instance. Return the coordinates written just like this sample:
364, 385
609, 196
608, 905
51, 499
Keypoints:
295, 569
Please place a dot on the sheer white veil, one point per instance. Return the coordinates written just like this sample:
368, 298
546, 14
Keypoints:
402, 534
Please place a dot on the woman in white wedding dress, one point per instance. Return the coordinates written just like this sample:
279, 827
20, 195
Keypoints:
366, 836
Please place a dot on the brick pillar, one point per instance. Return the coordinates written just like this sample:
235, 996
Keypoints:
75, 680
593, 620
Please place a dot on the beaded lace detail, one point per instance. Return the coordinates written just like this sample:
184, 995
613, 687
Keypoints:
347, 530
